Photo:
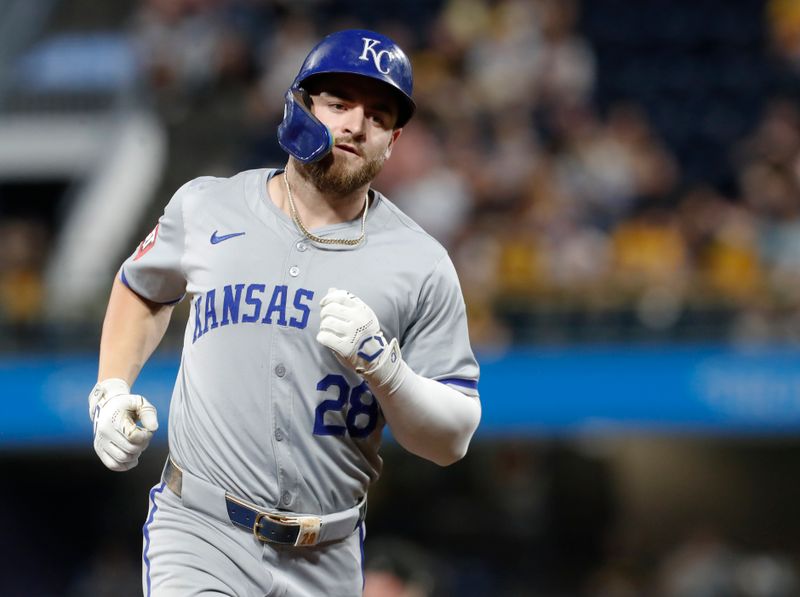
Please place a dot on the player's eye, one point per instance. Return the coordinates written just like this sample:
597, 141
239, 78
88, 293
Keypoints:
380, 119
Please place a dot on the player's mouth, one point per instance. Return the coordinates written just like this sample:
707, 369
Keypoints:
348, 148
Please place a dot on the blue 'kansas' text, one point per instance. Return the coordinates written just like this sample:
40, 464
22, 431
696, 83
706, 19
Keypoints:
250, 303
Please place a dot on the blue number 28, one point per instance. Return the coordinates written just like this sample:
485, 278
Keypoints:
349, 400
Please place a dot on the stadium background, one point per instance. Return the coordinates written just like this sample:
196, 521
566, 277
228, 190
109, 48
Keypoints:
618, 184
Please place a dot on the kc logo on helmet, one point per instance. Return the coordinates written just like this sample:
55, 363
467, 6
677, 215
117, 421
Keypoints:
377, 57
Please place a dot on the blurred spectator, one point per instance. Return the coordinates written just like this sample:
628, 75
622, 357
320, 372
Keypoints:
595, 168
784, 27
280, 57
435, 196
501, 60
565, 60
649, 250
188, 46
397, 568
111, 573
704, 565
730, 260
766, 575
22, 251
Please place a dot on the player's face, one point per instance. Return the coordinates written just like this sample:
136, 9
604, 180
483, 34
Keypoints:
361, 114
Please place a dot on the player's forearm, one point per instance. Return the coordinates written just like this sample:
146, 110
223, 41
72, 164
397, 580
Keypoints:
132, 329
428, 418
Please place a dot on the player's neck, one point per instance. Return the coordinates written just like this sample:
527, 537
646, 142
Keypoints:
316, 209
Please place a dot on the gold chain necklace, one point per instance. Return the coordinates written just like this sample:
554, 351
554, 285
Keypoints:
350, 242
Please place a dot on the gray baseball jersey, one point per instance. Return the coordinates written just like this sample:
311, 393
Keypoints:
260, 408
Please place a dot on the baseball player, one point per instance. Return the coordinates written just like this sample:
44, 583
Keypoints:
319, 314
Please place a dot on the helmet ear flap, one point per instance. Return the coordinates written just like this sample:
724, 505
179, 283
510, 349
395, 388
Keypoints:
301, 133
305, 96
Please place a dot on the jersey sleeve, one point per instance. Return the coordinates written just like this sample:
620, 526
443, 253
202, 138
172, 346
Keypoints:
154, 270
436, 345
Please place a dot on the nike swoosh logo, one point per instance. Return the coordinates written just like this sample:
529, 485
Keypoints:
218, 239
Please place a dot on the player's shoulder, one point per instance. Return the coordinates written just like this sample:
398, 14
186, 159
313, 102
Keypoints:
200, 183
214, 187
402, 225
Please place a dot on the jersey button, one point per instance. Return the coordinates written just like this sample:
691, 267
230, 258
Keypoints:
280, 370
294, 271
301, 246
286, 498
279, 435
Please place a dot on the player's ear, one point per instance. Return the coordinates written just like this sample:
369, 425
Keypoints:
395, 136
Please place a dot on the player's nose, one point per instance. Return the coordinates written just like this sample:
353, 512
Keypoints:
355, 120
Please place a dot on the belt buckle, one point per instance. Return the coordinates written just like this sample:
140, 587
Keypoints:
308, 527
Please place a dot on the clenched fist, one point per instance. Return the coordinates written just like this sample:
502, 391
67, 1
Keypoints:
114, 412
350, 328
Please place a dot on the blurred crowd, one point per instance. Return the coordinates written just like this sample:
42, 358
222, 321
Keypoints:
562, 212
551, 205
702, 565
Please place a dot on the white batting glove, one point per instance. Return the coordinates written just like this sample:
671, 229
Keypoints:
114, 411
351, 330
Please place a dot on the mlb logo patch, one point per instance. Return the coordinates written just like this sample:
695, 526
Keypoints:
147, 244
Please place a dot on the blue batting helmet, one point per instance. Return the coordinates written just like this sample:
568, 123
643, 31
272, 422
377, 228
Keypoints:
353, 51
